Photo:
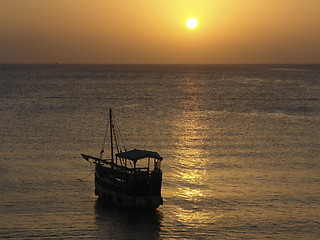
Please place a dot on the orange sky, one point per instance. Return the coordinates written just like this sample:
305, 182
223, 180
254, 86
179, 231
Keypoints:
152, 31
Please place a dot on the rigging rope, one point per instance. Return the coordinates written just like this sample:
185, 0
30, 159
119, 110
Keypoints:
87, 176
104, 138
117, 136
118, 133
115, 139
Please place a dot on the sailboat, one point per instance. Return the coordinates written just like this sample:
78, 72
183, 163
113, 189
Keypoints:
128, 178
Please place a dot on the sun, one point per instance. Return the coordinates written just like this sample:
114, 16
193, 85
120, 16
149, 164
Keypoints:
191, 23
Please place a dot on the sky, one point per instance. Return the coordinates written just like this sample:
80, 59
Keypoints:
154, 31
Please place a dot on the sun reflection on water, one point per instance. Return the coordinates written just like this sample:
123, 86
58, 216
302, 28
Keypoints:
190, 193
191, 171
192, 159
190, 149
191, 216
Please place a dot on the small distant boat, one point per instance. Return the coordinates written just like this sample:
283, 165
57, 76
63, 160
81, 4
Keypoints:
123, 180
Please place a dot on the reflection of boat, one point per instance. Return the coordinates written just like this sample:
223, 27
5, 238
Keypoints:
138, 224
130, 178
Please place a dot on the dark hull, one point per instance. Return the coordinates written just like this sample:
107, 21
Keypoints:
134, 190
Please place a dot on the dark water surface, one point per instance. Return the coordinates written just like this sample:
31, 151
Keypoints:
241, 148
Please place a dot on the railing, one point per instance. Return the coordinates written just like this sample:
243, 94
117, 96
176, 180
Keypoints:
109, 164
123, 168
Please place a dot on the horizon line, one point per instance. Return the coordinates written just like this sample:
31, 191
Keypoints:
62, 63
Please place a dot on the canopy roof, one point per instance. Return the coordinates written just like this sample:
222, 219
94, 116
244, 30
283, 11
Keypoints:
136, 154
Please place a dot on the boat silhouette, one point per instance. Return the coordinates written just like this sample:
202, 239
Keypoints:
122, 180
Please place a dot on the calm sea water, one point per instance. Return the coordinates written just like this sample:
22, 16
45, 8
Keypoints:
241, 148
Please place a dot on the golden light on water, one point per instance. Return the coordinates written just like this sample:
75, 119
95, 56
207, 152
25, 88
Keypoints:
190, 193
191, 217
193, 160
191, 131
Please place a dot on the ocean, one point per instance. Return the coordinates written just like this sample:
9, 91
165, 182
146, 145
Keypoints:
241, 149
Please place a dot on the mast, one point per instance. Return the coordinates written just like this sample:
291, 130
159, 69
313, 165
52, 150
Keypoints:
111, 134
